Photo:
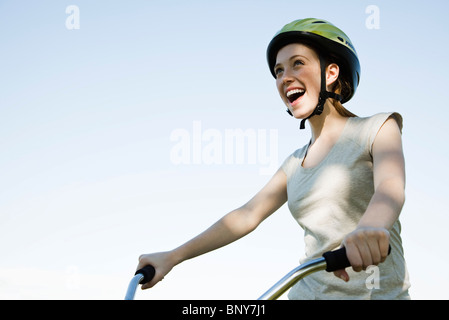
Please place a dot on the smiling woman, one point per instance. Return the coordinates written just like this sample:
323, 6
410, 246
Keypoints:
358, 205
333, 51
297, 60
345, 188
86, 117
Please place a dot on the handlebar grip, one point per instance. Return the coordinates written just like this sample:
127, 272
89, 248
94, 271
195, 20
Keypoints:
147, 272
337, 259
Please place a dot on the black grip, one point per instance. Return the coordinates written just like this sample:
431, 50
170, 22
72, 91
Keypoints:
147, 272
336, 260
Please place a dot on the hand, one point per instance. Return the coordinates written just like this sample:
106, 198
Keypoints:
161, 262
365, 246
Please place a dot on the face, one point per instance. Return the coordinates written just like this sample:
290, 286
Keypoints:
298, 78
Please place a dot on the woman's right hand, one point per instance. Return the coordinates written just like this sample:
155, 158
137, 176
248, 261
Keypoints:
162, 263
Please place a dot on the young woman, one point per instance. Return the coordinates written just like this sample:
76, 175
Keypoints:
344, 188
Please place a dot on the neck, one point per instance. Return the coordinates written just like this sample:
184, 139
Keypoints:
328, 123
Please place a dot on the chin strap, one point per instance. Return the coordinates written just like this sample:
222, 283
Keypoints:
322, 97
319, 108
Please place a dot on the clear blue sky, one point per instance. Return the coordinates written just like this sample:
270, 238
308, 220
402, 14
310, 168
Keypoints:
94, 123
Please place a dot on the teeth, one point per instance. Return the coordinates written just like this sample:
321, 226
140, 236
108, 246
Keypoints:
294, 91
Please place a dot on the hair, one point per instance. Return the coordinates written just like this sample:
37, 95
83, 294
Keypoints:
341, 86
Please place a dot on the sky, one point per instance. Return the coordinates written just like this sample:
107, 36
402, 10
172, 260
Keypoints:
128, 127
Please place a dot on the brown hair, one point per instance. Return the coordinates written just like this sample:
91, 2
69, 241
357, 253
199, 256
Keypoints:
341, 87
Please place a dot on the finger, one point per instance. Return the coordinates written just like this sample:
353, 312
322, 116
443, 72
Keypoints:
384, 244
144, 261
147, 286
141, 263
342, 274
365, 254
151, 283
374, 250
354, 257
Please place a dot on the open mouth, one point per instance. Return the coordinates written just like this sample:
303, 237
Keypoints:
295, 94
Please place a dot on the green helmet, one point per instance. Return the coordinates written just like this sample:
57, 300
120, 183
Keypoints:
325, 37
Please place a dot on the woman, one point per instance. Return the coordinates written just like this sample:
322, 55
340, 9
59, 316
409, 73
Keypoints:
344, 188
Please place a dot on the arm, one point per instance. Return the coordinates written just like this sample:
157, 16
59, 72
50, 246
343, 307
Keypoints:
368, 243
231, 227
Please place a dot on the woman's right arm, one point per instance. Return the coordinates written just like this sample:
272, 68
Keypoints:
231, 227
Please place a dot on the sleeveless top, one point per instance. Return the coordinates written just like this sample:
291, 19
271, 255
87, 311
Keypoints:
328, 201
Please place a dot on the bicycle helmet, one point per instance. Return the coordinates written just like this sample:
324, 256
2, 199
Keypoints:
329, 41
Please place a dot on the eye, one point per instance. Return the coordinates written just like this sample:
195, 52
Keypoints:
298, 62
278, 71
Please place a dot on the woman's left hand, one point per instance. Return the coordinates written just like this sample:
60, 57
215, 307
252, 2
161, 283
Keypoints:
365, 246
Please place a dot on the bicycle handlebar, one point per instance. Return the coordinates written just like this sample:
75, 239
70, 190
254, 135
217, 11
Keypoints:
141, 276
147, 272
337, 259
330, 261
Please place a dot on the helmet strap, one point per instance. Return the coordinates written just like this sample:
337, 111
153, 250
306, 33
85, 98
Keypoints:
323, 94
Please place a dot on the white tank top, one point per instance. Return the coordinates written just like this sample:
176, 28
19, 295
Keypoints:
328, 201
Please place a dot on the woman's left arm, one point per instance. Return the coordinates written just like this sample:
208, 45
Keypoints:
368, 243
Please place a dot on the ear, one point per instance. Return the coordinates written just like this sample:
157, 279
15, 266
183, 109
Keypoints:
332, 72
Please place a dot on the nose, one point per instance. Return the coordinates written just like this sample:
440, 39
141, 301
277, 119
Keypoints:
287, 78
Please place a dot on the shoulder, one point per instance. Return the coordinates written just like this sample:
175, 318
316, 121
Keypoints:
365, 129
388, 136
377, 120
